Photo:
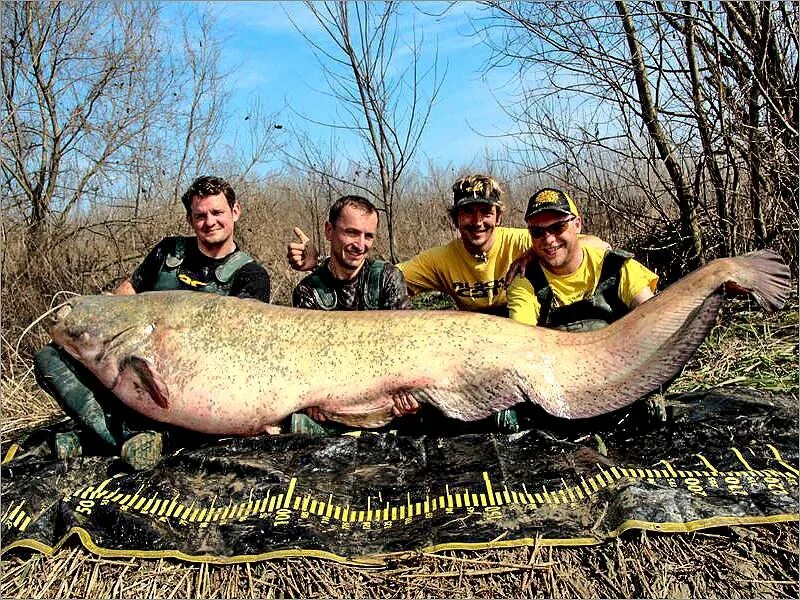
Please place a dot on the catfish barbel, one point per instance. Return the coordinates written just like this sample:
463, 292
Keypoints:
225, 365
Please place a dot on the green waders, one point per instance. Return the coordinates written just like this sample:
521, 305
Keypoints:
94, 408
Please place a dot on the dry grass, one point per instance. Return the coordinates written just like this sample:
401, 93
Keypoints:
730, 563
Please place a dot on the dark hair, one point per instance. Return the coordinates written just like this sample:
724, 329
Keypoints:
207, 185
357, 201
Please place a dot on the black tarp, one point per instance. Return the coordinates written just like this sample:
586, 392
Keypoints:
725, 457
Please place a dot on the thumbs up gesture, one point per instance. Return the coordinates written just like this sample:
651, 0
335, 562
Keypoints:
302, 254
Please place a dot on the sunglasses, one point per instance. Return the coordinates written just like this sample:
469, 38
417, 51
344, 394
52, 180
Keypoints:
553, 229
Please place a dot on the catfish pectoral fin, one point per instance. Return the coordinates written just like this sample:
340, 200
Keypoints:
141, 372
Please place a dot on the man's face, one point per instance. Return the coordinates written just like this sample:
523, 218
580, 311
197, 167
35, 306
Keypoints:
554, 237
476, 223
351, 239
212, 221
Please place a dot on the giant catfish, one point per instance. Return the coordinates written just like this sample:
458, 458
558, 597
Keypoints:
225, 365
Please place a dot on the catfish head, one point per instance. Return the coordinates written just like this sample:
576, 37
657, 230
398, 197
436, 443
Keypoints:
106, 334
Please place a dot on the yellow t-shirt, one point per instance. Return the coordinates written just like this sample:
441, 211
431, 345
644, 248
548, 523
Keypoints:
523, 306
473, 284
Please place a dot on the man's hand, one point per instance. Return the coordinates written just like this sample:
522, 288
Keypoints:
315, 413
302, 255
404, 404
124, 289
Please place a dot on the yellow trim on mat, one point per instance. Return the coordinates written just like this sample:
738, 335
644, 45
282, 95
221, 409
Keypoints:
376, 561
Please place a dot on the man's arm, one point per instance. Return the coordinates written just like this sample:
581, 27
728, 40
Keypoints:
421, 272
637, 283
251, 281
642, 297
144, 276
394, 294
523, 306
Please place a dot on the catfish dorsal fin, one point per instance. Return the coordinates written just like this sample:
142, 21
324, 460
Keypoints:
149, 379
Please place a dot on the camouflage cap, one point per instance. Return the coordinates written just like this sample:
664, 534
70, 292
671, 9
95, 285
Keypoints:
476, 189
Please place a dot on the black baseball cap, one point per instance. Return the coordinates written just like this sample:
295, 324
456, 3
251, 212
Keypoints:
550, 199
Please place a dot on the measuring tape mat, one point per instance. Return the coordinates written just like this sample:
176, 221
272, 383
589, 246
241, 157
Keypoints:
360, 499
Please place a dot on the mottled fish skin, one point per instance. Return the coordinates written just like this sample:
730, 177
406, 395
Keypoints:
224, 365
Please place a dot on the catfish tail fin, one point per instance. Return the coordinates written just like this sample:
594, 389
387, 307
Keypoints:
648, 347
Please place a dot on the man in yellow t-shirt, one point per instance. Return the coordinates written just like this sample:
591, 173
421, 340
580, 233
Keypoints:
570, 285
472, 269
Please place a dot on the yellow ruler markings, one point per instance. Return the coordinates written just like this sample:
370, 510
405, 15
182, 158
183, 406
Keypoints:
149, 503
607, 475
100, 488
14, 511
489, 492
741, 459
669, 471
20, 517
777, 455
289, 492
569, 491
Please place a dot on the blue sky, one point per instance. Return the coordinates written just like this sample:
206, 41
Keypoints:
272, 62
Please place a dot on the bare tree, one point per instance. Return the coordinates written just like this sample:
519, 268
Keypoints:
692, 101
387, 106
103, 107
80, 86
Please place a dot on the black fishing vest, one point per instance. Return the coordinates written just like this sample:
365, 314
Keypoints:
598, 310
370, 288
171, 277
